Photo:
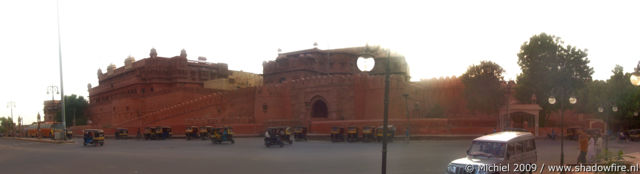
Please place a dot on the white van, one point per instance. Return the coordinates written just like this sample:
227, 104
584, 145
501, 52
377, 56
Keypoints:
513, 151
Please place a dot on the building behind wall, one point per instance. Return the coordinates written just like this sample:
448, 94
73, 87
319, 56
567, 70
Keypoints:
51, 108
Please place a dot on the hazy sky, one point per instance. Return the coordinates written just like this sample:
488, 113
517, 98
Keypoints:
438, 38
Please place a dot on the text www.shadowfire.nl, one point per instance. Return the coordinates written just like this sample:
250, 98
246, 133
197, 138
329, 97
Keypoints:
490, 168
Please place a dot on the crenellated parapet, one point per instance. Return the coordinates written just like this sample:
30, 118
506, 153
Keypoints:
313, 62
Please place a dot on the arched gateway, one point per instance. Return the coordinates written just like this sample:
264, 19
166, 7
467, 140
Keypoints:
522, 112
319, 108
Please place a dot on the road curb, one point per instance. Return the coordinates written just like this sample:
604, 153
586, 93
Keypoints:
46, 140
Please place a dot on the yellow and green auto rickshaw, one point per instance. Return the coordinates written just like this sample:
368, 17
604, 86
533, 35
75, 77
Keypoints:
149, 133
163, 132
272, 136
93, 137
191, 132
121, 133
390, 134
288, 134
204, 131
300, 133
352, 133
69, 134
220, 135
337, 134
367, 134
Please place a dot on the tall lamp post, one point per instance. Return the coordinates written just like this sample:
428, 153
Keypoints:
552, 100
64, 123
11, 105
51, 90
38, 133
365, 63
606, 133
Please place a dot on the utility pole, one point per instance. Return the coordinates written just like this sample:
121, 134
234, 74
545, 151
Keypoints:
11, 105
64, 124
385, 128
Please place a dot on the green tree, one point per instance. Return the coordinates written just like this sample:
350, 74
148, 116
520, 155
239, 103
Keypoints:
75, 106
5, 124
551, 68
622, 94
482, 87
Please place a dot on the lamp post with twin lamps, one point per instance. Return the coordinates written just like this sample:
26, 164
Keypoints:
552, 100
606, 128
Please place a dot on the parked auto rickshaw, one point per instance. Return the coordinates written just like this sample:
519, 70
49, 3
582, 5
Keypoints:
93, 137
204, 131
390, 134
367, 134
352, 133
163, 132
272, 137
288, 134
337, 134
221, 135
69, 134
121, 133
191, 132
149, 133
300, 133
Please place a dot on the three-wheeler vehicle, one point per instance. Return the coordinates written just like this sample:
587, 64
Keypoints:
288, 134
149, 133
164, 132
337, 134
93, 137
191, 132
223, 134
205, 131
352, 133
300, 133
69, 134
272, 136
367, 134
121, 133
390, 134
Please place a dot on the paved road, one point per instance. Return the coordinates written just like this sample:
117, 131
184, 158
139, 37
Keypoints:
248, 155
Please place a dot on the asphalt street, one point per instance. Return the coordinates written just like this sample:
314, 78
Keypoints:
249, 155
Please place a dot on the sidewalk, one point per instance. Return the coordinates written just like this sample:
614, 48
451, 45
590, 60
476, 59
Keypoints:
45, 140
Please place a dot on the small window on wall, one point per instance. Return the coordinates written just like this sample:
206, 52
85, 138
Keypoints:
264, 108
282, 79
142, 90
151, 89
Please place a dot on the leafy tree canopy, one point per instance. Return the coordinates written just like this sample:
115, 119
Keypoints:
551, 68
75, 106
482, 87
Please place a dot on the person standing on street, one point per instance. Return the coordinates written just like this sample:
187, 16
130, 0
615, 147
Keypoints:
583, 141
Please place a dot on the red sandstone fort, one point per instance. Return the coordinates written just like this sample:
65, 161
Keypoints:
313, 88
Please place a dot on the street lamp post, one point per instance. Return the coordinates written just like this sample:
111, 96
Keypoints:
51, 90
38, 133
11, 105
365, 63
606, 133
552, 100
64, 124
